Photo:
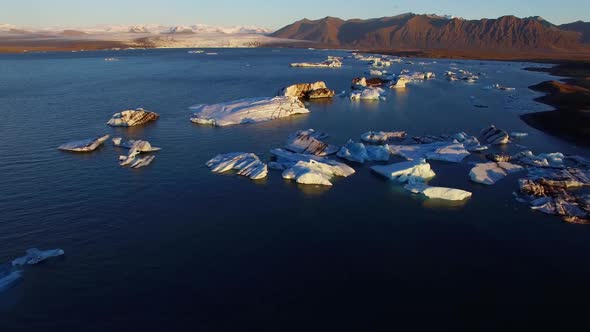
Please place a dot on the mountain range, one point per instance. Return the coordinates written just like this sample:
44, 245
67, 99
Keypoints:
412, 31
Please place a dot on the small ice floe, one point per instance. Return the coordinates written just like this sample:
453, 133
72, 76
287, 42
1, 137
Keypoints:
552, 160
382, 136
495, 136
286, 159
499, 157
111, 59
250, 110
195, 52
448, 194
212, 53
554, 192
35, 256
8, 277
492, 172
471, 143
367, 94
518, 134
130, 118
408, 171
142, 146
374, 72
380, 63
421, 76
308, 142
358, 152
331, 62
315, 90
442, 151
247, 164
135, 148
499, 87
470, 78
401, 82
85, 145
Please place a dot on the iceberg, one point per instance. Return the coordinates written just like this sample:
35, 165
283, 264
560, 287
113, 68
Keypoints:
449, 194
359, 83
442, 151
331, 62
492, 172
307, 91
130, 118
367, 94
382, 136
308, 142
286, 159
247, 164
142, 146
471, 143
85, 145
312, 172
358, 152
401, 82
35, 256
552, 160
518, 134
250, 110
495, 136
408, 171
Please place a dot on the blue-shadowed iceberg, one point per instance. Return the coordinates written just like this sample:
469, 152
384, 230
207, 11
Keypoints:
408, 171
308, 142
360, 153
35, 256
85, 145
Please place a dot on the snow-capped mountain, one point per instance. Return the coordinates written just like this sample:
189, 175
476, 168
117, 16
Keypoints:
145, 29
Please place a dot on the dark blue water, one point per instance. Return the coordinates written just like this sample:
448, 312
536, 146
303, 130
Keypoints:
174, 247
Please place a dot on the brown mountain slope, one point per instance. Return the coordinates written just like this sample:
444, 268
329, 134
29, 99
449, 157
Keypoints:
412, 31
581, 27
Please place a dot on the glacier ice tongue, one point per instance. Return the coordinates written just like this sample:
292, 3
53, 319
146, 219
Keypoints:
249, 110
34, 256
85, 145
247, 164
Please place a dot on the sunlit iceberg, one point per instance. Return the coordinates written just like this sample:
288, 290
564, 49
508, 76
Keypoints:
286, 159
250, 110
492, 172
367, 94
443, 151
449, 194
131, 118
308, 142
246, 164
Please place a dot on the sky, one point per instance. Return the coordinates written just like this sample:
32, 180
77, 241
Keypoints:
263, 13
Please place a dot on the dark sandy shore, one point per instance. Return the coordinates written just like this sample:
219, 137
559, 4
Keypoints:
571, 98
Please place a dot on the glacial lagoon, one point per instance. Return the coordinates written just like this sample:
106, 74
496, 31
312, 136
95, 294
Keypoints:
174, 244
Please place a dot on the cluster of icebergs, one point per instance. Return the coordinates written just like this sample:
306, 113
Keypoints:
11, 273
129, 118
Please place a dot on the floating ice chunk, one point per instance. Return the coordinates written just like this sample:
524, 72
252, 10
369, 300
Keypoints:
307, 142
85, 145
312, 172
416, 171
331, 62
454, 153
250, 110
495, 136
555, 160
518, 135
492, 172
471, 143
367, 94
355, 152
499, 87
382, 136
443, 151
401, 82
247, 164
34, 256
374, 72
142, 146
449, 194
142, 162
378, 152
8, 278
286, 159
130, 118
307, 90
